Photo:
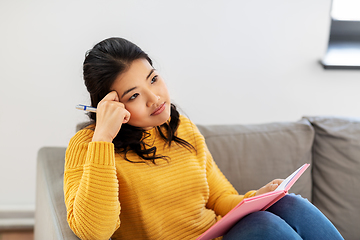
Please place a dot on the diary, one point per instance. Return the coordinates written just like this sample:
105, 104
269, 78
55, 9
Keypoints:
252, 204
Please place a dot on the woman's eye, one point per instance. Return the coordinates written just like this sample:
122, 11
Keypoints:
154, 79
133, 96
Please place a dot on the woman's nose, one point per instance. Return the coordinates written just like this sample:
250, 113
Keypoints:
153, 98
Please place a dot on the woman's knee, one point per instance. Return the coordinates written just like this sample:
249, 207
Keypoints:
291, 203
261, 225
294, 199
304, 218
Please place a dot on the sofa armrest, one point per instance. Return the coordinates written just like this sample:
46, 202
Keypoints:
50, 213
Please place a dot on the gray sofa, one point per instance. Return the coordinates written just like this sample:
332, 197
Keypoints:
250, 156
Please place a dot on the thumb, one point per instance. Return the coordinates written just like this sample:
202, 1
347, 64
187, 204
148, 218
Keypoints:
273, 186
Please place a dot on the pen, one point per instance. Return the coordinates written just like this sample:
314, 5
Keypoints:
86, 108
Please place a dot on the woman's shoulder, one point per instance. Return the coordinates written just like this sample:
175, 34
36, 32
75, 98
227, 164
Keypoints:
78, 146
187, 127
84, 135
186, 124
185, 121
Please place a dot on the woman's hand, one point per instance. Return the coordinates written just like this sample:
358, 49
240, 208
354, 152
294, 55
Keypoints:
271, 186
110, 115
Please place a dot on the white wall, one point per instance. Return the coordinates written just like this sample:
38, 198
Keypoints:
224, 62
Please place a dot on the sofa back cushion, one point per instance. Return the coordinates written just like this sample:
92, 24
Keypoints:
336, 172
250, 156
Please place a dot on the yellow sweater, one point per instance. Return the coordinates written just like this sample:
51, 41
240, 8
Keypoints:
107, 196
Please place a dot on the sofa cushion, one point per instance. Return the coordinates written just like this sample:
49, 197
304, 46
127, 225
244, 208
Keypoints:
250, 156
336, 172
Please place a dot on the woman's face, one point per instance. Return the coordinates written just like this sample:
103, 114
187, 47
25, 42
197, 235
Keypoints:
144, 94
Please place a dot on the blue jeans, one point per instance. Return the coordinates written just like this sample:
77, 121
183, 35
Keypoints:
292, 217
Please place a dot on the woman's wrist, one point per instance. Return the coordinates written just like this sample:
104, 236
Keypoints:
97, 137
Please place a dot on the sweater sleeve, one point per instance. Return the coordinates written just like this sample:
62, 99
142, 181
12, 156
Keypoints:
91, 187
223, 196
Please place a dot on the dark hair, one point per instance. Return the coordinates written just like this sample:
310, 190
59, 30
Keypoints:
103, 64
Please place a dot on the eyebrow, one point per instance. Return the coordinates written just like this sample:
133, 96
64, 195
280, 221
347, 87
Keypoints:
151, 72
129, 90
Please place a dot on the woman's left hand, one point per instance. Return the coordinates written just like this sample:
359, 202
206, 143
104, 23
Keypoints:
271, 186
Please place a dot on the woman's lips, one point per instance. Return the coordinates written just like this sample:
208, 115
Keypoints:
159, 110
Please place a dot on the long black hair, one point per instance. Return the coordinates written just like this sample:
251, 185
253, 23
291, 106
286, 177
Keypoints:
103, 64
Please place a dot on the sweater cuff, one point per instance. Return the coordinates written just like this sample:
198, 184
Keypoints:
101, 153
250, 194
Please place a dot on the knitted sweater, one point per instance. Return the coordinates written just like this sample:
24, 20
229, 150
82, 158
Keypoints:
178, 198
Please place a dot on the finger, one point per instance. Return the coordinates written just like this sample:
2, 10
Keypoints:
277, 181
106, 104
127, 116
273, 186
111, 96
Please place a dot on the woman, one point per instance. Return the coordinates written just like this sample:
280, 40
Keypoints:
143, 171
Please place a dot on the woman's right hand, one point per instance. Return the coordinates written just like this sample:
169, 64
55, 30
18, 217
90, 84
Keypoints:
110, 115
271, 186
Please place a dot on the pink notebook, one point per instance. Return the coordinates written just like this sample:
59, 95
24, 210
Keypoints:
253, 204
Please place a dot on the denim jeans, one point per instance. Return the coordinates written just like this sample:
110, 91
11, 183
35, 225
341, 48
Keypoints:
292, 217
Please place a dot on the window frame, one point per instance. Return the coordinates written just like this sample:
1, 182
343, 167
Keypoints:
343, 51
